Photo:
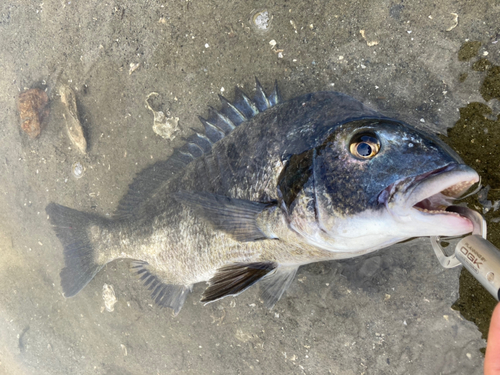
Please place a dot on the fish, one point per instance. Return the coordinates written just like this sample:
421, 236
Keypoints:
269, 186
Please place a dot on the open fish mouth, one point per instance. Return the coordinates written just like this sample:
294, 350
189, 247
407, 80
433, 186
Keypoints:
422, 200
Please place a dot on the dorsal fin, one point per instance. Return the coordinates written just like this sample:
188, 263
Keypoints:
217, 126
232, 112
213, 132
147, 181
244, 104
261, 99
275, 97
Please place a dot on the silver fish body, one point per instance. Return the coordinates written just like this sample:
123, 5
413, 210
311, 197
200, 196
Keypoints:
270, 186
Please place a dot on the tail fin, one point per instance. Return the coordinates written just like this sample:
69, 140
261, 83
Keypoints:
71, 227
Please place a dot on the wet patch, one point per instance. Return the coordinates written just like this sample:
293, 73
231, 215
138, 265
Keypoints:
468, 50
462, 77
491, 84
481, 65
475, 303
476, 138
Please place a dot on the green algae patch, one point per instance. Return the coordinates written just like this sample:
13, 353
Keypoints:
475, 303
490, 88
468, 50
481, 65
476, 138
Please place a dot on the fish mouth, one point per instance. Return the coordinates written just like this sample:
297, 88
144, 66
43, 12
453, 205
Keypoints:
422, 200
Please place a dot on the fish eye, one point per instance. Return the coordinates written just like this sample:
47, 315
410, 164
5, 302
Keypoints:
364, 145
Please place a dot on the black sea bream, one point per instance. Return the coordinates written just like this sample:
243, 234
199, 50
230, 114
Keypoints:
270, 186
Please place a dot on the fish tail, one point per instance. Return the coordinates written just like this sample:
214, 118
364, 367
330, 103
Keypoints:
71, 227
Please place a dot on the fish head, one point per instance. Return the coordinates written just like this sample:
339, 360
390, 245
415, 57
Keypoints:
372, 183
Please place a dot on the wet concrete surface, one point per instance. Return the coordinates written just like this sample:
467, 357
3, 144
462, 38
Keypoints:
385, 313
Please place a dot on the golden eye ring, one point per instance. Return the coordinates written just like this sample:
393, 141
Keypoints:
364, 146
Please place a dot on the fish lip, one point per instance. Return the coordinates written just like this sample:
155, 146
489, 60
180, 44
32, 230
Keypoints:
431, 192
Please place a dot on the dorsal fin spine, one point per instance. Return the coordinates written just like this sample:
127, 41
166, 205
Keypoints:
260, 97
233, 113
275, 97
244, 104
204, 137
194, 149
186, 154
218, 125
222, 120
212, 131
202, 141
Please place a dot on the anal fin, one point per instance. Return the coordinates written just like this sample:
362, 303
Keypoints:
164, 295
276, 283
233, 279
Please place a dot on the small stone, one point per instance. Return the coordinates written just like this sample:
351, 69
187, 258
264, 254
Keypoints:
33, 110
133, 67
261, 21
77, 170
108, 295
75, 130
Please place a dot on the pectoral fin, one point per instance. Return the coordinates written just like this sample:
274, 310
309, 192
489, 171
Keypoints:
233, 279
236, 217
276, 283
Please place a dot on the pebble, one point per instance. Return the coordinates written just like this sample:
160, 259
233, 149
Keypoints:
75, 131
33, 110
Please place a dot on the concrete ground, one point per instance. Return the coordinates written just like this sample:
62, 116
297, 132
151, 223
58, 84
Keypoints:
385, 313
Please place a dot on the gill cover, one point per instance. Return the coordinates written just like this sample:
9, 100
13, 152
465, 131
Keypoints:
329, 193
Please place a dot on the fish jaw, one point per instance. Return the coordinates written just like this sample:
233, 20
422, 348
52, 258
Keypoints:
418, 204
413, 206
